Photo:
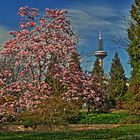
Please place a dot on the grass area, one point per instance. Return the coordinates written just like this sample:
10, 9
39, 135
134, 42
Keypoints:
130, 132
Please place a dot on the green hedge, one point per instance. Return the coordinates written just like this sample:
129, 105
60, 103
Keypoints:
92, 118
108, 118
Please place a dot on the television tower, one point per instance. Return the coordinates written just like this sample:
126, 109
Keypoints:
100, 54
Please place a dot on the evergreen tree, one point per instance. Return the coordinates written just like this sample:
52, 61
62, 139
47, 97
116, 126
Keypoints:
102, 80
117, 82
97, 71
134, 55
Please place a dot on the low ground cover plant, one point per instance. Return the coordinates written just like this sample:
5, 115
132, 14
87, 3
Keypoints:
108, 118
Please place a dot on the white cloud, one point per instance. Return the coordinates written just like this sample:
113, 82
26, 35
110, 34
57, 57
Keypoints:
85, 20
92, 17
3, 34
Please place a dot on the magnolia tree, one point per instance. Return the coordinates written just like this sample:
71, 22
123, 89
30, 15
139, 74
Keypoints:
38, 63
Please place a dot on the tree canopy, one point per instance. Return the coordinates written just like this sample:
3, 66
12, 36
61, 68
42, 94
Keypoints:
117, 81
134, 54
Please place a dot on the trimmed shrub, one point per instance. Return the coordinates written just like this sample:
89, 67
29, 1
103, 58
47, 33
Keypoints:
108, 118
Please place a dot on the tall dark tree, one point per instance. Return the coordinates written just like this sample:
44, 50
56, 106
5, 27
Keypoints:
117, 81
97, 71
100, 78
134, 55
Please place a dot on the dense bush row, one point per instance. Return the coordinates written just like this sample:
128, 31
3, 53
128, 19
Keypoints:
60, 118
108, 118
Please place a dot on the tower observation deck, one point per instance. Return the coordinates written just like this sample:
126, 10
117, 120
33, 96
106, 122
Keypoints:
100, 53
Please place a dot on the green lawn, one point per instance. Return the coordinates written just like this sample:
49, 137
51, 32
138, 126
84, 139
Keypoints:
129, 132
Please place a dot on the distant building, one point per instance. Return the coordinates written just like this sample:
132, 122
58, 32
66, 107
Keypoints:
100, 54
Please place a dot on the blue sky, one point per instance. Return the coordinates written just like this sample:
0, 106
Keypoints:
88, 18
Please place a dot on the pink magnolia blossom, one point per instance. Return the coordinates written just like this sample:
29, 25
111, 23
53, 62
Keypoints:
43, 48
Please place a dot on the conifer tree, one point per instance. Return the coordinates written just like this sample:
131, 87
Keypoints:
97, 71
117, 82
102, 80
134, 56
